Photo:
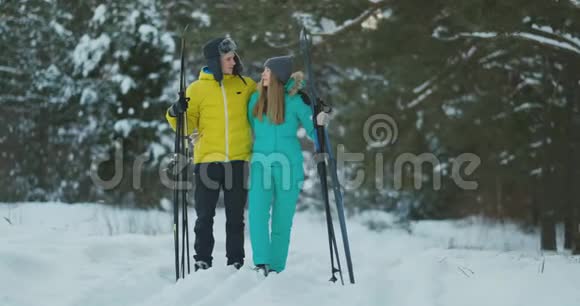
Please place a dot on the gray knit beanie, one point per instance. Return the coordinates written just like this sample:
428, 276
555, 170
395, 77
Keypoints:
281, 67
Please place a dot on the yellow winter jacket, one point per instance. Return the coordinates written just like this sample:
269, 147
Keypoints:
220, 116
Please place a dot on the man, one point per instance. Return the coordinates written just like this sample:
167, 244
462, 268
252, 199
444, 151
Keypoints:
217, 109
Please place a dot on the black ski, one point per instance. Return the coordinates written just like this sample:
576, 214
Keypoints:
323, 152
180, 168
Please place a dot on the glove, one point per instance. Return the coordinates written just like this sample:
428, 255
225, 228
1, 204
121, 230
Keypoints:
178, 107
322, 118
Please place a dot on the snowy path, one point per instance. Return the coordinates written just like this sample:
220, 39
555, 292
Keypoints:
62, 255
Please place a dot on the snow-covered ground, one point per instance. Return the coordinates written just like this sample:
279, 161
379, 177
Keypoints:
93, 255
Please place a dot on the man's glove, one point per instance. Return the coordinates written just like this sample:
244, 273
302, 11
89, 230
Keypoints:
178, 107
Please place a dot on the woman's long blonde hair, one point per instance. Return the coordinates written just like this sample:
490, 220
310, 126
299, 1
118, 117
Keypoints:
271, 101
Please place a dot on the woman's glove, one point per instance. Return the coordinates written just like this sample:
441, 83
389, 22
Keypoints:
322, 118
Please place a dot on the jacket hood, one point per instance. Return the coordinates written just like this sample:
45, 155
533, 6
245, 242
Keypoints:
295, 83
207, 74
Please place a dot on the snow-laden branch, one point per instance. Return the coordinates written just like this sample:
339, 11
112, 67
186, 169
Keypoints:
548, 41
568, 38
11, 70
430, 86
423, 86
349, 23
422, 97
13, 98
559, 41
329, 28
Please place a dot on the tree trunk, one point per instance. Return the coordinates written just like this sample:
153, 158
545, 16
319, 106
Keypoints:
498, 198
569, 232
548, 218
575, 203
575, 175
576, 243
548, 234
568, 181
535, 192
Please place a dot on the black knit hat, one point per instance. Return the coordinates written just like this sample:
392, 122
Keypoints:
212, 51
281, 67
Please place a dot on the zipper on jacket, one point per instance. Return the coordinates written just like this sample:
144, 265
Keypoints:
227, 123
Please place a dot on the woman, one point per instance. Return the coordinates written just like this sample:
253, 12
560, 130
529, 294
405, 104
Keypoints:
275, 112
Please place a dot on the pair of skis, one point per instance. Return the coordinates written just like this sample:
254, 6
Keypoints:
325, 162
181, 162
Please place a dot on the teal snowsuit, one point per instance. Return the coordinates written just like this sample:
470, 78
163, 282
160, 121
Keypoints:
276, 177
